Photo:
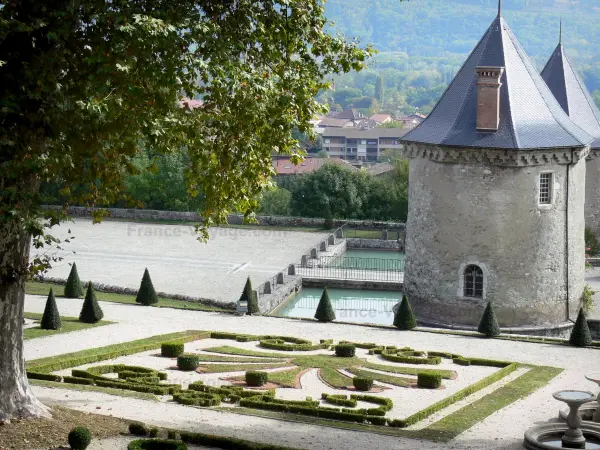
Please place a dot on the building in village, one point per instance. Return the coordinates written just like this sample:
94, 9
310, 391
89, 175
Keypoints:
496, 196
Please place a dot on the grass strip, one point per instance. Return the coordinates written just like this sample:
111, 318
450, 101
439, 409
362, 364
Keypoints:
231, 359
68, 360
446, 374
225, 368
69, 324
90, 388
285, 378
334, 378
451, 426
229, 350
388, 379
38, 288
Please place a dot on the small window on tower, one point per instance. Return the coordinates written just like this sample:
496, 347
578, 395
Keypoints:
545, 189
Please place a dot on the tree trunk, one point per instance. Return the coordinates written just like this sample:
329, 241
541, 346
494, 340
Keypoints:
16, 398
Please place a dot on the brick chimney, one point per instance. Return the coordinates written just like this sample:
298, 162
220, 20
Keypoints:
488, 97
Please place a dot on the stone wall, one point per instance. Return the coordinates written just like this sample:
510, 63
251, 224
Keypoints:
491, 218
236, 219
353, 284
592, 193
375, 244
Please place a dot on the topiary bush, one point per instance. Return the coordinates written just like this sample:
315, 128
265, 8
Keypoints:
73, 288
429, 380
153, 432
172, 434
325, 311
249, 297
138, 429
580, 335
91, 311
256, 379
489, 325
51, 318
404, 319
345, 350
79, 438
146, 294
156, 444
171, 349
362, 383
188, 362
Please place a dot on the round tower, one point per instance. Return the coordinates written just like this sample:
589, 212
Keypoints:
496, 196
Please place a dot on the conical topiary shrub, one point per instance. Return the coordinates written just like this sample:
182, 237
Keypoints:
580, 335
146, 295
73, 288
51, 318
91, 312
489, 325
325, 311
249, 297
404, 319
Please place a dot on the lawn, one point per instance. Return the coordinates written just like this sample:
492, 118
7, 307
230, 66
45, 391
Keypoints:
37, 288
68, 324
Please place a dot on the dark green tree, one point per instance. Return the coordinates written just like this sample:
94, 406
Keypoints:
325, 311
379, 90
88, 85
488, 326
91, 311
51, 318
404, 319
580, 335
146, 295
73, 288
249, 297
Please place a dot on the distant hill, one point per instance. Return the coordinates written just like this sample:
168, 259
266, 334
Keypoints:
422, 43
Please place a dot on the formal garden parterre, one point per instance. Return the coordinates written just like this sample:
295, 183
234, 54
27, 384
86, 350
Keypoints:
388, 389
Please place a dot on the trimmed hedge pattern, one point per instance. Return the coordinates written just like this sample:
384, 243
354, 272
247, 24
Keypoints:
171, 349
256, 379
429, 380
339, 400
188, 362
345, 350
362, 383
407, 357
226, 442
197, 398
292, 344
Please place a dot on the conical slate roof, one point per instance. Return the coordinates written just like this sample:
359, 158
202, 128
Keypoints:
530, 116
571, 93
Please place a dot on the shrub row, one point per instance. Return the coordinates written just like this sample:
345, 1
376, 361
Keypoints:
162, 389
256, 379
197, 398
43, 376
314, 411
52, 364
188, 362
229, 394
446, 355
363, 345
339, 400
156, 444
429, 380
77, 380
411, 420
226, 442
223, 335
345, 350
391, 355
282, 344
138, 429
461, 361
171, 349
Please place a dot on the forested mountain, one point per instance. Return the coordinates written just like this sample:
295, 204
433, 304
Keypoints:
422, 43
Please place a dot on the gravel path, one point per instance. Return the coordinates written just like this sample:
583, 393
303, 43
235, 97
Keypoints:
116, 253
504, 429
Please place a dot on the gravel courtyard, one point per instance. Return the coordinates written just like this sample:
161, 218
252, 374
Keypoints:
502, 430
116, 253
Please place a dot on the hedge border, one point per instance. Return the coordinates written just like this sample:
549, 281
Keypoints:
165, 444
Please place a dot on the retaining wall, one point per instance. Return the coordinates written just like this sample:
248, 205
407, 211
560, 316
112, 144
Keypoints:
353, 284
375, 244
234, 219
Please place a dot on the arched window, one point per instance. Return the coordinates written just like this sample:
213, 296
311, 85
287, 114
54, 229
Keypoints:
473, 282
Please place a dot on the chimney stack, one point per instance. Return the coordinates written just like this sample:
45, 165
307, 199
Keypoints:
488, 97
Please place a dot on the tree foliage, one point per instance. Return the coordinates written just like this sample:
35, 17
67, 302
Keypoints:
73, 287
51, 318
276, 202
404, 319
580, 334
146, 294
91, 311
325, 312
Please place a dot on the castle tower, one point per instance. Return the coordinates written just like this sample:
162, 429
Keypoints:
496, 196
576, 101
